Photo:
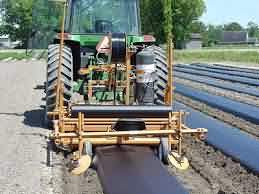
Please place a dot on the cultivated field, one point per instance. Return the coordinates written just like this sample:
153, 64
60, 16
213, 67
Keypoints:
29, 166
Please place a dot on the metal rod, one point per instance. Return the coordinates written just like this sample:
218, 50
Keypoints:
128, 68
116, 140
174, 117
116, 133
80, 129
126, 133
170, 128
116, 119
170, 73
61, 110
90, 85
115, 85
111, 123
105, 127
58, 106
180, 135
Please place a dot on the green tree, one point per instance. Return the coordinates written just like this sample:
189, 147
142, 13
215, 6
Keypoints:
198, 27
234, 26
152, 18
168, 23
253, 29
184, 13
17, 20
214, 34
46, 19
24, 19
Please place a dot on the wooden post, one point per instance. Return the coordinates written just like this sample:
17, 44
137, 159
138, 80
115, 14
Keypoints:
59, 106
170, 72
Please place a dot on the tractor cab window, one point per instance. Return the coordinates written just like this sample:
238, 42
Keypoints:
103, 16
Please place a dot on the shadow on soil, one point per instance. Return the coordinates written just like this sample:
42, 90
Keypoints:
11, 114
34, 118
39, 87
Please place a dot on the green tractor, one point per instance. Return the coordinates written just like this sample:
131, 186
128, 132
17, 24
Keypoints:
87, 23
109, 85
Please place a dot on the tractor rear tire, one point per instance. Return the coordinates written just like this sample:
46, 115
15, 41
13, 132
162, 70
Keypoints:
161, 75
160, 86
52, 77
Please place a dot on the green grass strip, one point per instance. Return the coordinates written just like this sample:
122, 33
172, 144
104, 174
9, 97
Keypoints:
217, 56
14, 55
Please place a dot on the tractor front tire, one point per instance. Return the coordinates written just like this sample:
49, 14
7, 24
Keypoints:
52, 77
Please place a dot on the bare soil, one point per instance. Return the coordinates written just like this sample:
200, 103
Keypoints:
87, 183
222, 174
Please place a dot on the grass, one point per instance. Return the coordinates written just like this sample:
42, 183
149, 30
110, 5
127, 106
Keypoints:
187, 56
217, 56
14, 55
232, 47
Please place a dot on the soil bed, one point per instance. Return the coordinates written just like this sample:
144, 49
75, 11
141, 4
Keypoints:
222, 174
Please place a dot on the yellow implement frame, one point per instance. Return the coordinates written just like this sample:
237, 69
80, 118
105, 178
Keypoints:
74, 131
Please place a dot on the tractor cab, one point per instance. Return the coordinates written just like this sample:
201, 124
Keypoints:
103, 16
87, 22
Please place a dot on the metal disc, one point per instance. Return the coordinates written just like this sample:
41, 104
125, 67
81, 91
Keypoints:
180, 163
83, 164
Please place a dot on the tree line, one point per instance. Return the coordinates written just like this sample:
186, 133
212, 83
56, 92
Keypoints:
21, 19
24, 19
212, 34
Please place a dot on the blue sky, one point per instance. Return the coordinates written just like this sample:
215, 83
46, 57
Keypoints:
225, 11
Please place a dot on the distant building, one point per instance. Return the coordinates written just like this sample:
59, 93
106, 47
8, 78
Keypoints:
237, 37
252, 40
234, 37
195, 42
5, 41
